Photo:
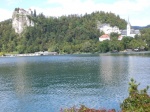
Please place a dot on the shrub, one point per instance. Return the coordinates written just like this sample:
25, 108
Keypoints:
138, 100
2, 54
85, 109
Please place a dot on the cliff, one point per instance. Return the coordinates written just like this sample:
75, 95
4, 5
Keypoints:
20, 19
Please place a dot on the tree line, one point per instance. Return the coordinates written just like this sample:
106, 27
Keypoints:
69, 34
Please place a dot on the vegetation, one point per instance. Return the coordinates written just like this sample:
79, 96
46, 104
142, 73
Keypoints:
138, 101
68, 34
85, 109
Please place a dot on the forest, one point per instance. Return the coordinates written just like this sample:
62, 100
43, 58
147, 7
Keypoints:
69, 34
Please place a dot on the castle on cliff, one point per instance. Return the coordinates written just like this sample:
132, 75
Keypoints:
20, 19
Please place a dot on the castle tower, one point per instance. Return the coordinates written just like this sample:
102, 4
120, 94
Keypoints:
30, 11
20, 19
128, 28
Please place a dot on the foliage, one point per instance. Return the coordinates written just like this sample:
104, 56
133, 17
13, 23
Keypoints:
145, 35
68, 34
85, 109
138, 101
2, 54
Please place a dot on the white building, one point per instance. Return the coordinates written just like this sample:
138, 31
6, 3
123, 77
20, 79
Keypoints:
107, 29
129, 31
128, 28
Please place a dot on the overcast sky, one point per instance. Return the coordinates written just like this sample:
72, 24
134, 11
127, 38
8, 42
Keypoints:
138, 11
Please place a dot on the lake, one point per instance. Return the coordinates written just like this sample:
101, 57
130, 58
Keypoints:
49, 83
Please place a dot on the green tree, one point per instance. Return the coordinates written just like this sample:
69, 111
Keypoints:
69, 34
125, 42
104, 46
138, 100
34, 13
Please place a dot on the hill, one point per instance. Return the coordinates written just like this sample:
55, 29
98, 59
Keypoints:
148, 26
137, 27
140, 27
65, 34
73, 33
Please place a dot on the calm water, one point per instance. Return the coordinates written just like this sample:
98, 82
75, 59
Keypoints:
49, 83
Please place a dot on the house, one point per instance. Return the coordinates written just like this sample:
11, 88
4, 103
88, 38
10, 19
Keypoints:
104, 37
107, 37
120, 37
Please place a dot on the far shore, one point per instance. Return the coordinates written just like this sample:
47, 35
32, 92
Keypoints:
46, 53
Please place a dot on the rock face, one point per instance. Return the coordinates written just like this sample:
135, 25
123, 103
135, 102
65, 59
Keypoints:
20, 19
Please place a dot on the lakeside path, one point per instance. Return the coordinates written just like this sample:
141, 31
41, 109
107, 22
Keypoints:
46, 53
31, 54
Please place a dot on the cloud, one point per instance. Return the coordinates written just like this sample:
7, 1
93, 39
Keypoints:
134, 9
137, 10
10, 2
7, 14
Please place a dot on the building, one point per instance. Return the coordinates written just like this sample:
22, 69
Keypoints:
20, 19
107, 30
120, 37
129, 31
107, 37
104, 37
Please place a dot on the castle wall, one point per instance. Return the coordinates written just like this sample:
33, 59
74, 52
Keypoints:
20, 20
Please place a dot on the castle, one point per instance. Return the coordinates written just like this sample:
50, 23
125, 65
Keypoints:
20, 19
107, 29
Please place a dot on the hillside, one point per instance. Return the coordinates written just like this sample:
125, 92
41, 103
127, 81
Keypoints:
66, 34
140, 27
137, 27
148, 26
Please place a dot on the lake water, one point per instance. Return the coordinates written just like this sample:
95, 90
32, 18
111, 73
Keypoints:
49, 83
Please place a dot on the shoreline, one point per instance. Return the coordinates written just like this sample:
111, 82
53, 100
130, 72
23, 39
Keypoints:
46, 53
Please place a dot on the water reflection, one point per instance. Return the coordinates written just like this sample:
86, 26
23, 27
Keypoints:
106, 67
49, 83
112, 68
139, 67
20, 82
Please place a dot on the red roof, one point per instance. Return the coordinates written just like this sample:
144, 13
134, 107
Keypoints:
120, 36
105, 36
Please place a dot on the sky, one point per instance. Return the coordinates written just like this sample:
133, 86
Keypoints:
138, 11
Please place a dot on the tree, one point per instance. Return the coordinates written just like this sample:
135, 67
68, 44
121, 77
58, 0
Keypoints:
69, 34
34, 13
138, 100
104, 46
125, 42
114, 36
145, 35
